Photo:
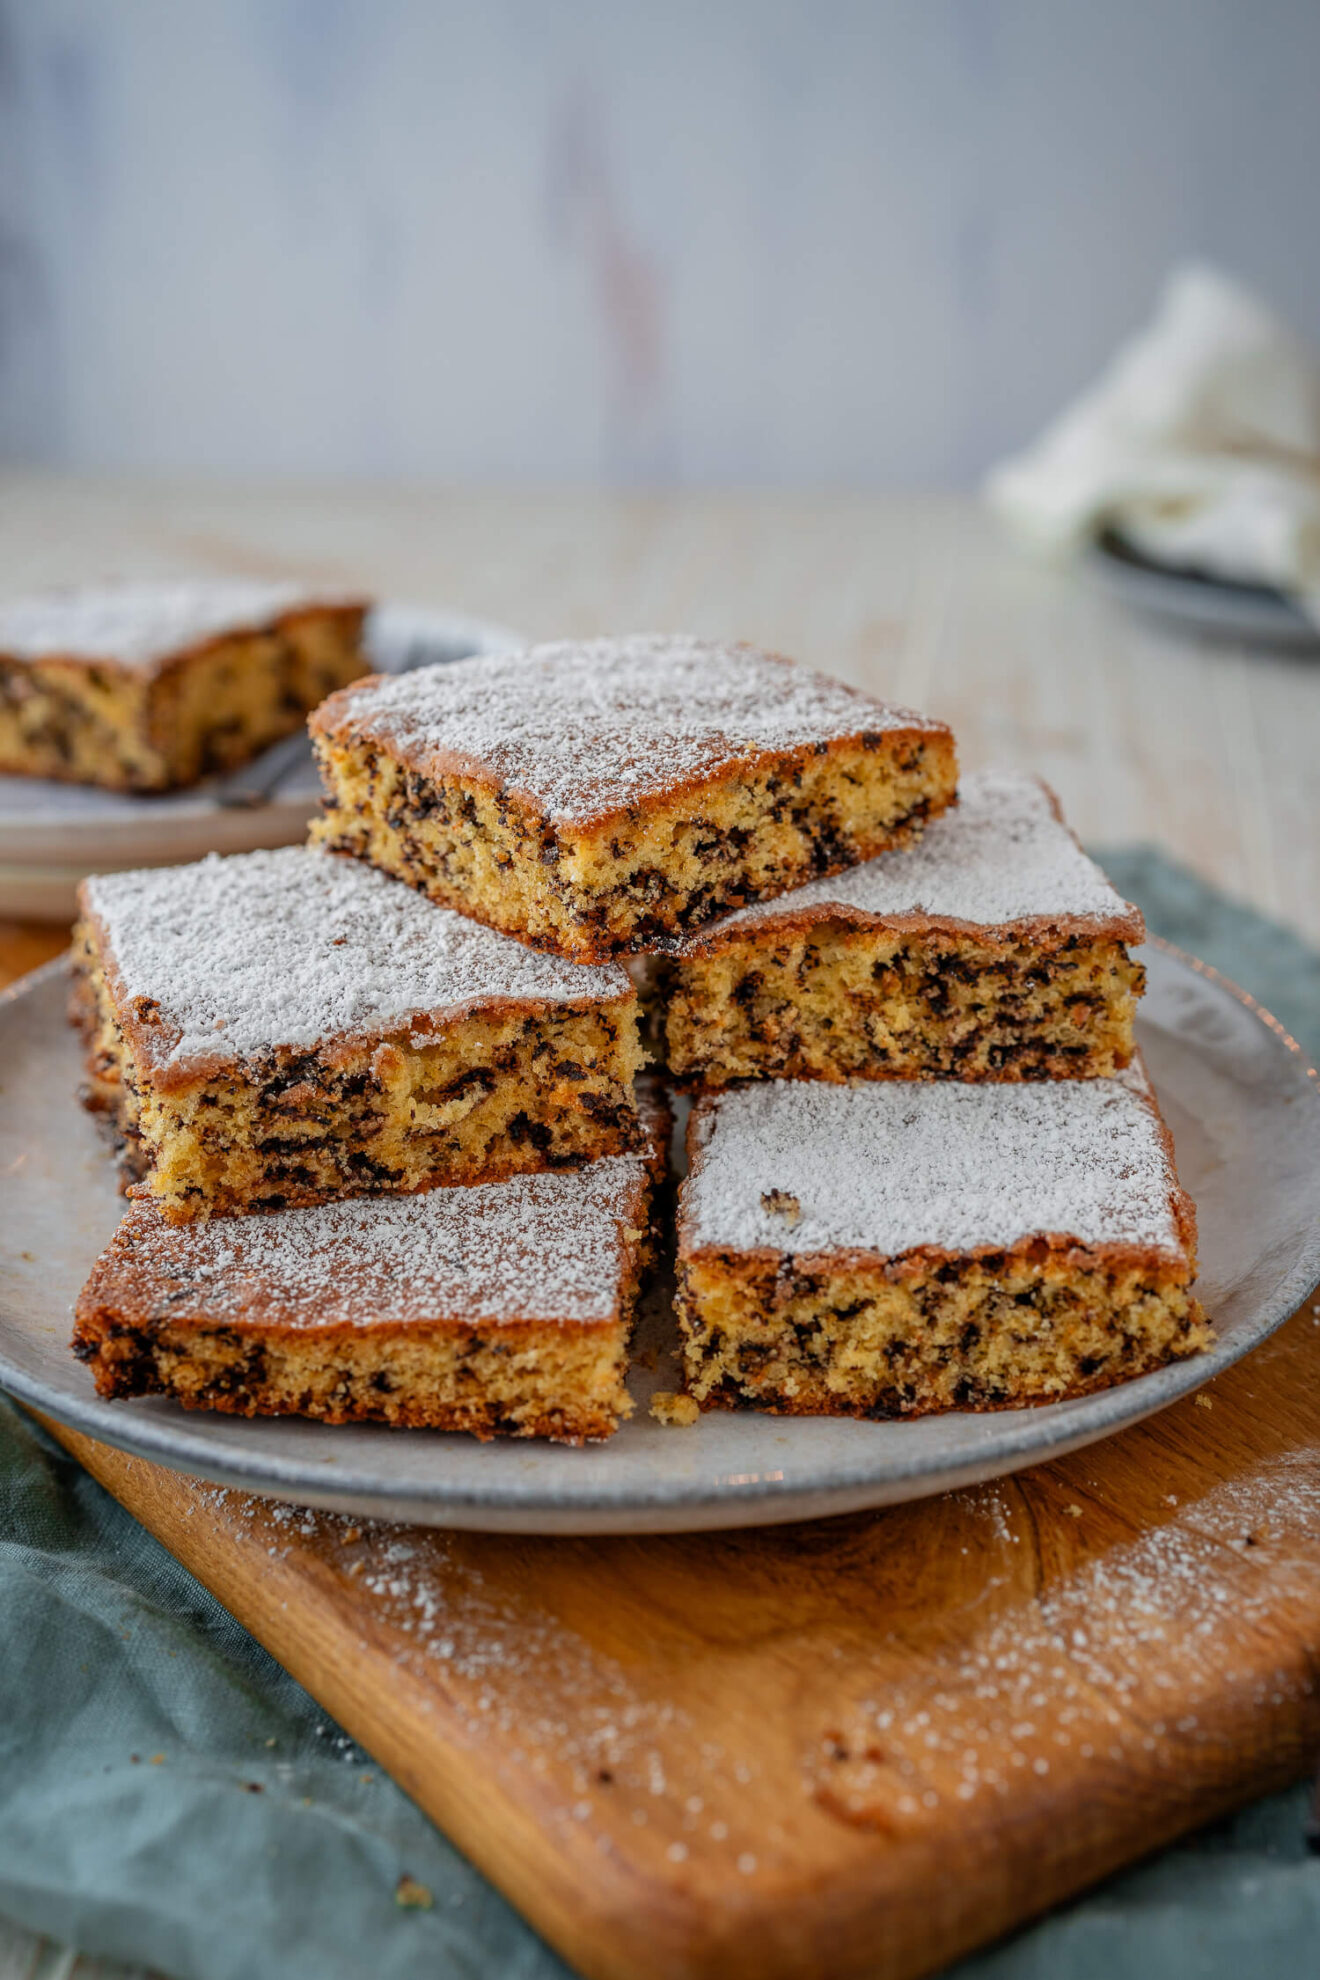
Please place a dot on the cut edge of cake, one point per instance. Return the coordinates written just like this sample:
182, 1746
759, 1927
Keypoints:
561, 824
324, 1313
231, 668
851, 1329
869, 974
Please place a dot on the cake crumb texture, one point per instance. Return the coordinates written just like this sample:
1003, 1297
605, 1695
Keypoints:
499, 1308
992, 949
675, 1412
830, 1000
279, 1029
595, 799
957, 1246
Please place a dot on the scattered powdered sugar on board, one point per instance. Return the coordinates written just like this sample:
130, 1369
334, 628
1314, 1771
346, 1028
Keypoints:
999, 855
1142, 1665
890, 1166
286, 949
506, 1673
546, 1247
140, 623
583, 729
1138, 1653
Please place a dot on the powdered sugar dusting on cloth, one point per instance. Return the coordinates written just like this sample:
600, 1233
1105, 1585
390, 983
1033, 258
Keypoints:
537, 1247
890, 1166
286, 949
999, 855
138, 624
582, 729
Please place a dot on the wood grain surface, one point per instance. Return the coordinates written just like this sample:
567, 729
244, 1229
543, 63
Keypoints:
855, 1747
25, 946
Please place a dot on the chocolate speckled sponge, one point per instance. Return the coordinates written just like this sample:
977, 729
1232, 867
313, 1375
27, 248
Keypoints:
893, 1248
149, 686
284, 1028
596, 798
991, 949
502, 1309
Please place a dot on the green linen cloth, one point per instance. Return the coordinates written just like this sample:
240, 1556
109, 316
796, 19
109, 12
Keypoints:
169, 1797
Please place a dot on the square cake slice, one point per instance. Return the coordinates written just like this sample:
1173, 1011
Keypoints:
149, 686
502, 1308
991, 949
890, 1248
594, 798
284, 1028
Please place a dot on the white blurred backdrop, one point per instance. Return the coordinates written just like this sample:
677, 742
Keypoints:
765, 241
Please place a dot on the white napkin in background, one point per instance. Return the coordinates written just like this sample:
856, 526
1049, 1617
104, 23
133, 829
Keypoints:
1200, 444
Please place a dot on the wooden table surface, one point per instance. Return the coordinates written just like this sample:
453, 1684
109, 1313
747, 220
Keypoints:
1208, 750
1205, 750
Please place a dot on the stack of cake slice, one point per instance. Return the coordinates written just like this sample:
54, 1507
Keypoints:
379, 1094
283, 1039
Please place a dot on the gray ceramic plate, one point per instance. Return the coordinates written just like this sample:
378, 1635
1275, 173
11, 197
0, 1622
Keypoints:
1245, 1114
1245, 614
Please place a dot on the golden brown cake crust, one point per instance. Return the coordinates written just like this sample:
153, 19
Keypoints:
1031, 928
1065, 1265
596, 800
500, 1309
371, 1044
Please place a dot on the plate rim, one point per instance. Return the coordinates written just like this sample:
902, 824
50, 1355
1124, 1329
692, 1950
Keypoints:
742, 1499
1220, 608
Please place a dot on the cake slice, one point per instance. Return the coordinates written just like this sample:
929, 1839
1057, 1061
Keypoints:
283, 1028
594, 798
991, 949
891, 1249
502, 1308
149, 686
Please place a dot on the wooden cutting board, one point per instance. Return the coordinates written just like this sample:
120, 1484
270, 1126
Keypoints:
860, 1746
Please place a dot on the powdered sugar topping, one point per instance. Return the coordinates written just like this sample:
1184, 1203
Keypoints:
140, 623
546, 1247
285, 949
586, 728
890, 1166
999, 855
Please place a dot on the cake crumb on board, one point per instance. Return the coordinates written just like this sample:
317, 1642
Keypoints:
678, 1412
